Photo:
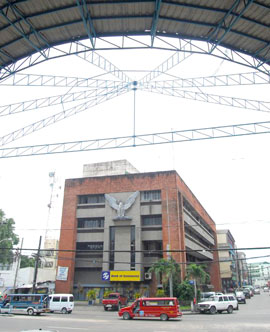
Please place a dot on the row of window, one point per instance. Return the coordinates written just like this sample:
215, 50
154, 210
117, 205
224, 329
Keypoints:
146, 196
154, 247
194, 235
151, 220
196, 216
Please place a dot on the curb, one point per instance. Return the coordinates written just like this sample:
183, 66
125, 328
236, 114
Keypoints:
189, 313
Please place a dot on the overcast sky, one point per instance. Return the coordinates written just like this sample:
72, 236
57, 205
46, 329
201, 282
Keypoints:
230, 176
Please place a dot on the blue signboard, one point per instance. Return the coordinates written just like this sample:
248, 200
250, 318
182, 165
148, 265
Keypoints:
105, 275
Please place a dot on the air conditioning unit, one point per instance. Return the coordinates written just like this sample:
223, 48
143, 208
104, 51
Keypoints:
148, 276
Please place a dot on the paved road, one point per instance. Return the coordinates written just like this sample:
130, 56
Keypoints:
253, 316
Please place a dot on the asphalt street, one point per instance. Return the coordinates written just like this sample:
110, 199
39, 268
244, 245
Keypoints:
253, 316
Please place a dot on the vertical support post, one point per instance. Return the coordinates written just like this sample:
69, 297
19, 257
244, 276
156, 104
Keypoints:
17, 266
36, 267
169, 245
134, 112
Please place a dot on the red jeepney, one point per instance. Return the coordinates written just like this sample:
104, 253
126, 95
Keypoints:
162, 307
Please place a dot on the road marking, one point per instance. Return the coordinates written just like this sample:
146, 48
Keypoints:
68, 328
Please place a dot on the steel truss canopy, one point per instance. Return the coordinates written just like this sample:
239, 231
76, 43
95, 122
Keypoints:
139, 140
29, 29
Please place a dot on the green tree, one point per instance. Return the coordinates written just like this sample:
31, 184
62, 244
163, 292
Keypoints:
168, 268
199, 275
185, 291
27, 261
7, 238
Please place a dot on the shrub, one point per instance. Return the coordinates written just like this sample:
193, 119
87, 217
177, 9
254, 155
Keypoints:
137, 295
106, 294
185, 291
91, 294
160, 293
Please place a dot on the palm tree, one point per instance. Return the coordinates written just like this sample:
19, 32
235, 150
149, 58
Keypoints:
198, 274
167, 268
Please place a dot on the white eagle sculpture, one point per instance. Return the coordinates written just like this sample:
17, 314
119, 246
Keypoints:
121, 207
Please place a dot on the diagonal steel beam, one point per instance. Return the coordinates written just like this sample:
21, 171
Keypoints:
87, 21
36, 104
140, 140
215, 32
165, 66
101, 62
19, 79
155, 20
19, 29
254, 105
218, 40
184, 46
265, 50
251, 78
61, 115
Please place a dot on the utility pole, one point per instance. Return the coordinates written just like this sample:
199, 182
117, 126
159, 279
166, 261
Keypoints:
169, 245
239, 270
36, 267
17, 266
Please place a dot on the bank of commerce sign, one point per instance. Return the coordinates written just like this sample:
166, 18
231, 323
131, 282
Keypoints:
121, 276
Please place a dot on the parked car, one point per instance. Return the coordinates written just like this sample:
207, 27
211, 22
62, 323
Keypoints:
114, 301
219, 303
246, 291
206, 295
265, 289
257, 291
232, 297
240, 296
250, 292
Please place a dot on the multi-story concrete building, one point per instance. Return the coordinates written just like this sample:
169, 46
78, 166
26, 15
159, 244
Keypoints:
227, 259
242, 269
259, 273
49, 256
114, 227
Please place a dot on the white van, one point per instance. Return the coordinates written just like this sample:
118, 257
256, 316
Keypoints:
61, 302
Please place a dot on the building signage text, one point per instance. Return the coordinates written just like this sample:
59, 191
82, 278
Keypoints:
121, 276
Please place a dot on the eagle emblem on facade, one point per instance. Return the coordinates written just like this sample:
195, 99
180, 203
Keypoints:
120, 206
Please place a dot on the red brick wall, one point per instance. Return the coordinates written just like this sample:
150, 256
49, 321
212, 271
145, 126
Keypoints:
173, 227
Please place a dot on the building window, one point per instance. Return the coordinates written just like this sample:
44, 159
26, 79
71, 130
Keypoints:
132, 248
194, 236
153, 249
91, 199
91, 222
152, 195
196, 216
152, 220
48, 264
112, 248
89, 245
48, 252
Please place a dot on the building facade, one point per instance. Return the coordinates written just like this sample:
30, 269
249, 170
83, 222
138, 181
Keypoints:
242, 269
13, 277
259, 273
227, 260
114, 227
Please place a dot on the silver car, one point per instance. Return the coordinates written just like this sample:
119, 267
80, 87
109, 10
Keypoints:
240, 296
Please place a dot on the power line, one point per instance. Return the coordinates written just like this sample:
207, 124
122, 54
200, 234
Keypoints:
143, 251
176, 226
97, 261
